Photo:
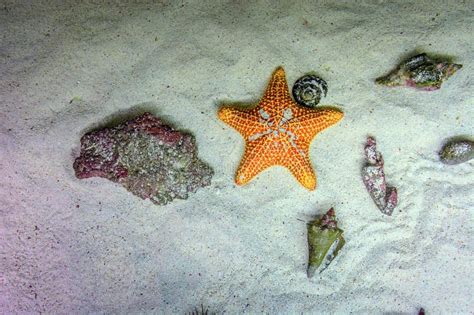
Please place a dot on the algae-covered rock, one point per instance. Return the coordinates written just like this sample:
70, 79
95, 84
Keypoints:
420, 72
147, 157
325, 240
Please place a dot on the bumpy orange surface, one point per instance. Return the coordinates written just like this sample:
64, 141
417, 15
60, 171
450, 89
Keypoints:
277, 131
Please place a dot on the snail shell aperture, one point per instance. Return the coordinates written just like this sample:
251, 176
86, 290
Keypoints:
308, 89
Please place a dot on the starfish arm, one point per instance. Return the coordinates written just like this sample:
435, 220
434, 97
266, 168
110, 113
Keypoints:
256, 159
305, 175
311, 123
277, 89
297, 161
242, 120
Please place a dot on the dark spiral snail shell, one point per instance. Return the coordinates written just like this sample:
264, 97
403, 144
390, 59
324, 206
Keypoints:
308, 89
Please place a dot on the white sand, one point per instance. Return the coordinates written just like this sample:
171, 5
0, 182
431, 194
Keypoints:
89, 246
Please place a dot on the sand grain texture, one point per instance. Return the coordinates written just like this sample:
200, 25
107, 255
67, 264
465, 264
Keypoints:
89, 246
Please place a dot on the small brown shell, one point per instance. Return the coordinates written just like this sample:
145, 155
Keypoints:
457, 151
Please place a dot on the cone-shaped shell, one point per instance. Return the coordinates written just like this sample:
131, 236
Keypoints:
325, 240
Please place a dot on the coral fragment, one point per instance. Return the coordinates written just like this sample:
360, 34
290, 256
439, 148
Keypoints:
373, 176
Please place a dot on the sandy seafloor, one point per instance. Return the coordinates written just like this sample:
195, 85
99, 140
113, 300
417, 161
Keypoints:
71, 246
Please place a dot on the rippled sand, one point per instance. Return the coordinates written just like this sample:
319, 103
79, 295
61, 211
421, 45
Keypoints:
89, 246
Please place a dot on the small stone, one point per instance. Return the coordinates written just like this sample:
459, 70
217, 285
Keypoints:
457, 151
147, 157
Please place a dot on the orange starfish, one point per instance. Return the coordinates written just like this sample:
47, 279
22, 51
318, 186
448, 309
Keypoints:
278, 131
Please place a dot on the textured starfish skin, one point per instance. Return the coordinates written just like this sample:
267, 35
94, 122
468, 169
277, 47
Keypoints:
278, 131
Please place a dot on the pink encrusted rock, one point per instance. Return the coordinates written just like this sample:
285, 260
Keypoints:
147, 157
373, 175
